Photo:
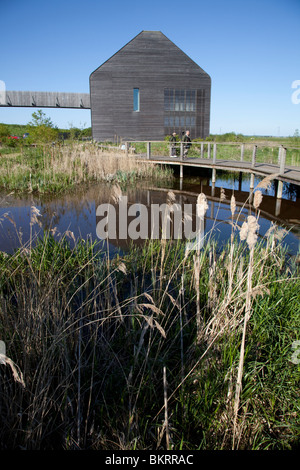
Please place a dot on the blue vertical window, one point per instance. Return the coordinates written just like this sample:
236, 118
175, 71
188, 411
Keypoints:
136, 99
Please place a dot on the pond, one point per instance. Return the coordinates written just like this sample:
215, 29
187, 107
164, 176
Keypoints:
75, 213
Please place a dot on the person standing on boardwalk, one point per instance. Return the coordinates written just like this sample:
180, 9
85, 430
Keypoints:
187, 143
173, 141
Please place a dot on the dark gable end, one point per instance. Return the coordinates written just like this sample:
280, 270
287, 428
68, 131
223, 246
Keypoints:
153, 48
151, 63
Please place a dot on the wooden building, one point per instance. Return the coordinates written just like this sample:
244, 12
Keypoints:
147, 90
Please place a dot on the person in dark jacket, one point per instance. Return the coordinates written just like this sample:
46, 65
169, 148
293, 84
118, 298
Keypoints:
173, 141
187, 143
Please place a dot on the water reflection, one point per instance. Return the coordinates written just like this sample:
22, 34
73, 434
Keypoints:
76, 212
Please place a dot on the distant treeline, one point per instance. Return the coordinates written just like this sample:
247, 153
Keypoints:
76, 133
233, 137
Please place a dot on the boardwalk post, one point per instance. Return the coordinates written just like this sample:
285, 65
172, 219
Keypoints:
278, 207
208, 150
213, 185
240, 180
213, 176
282, 160
279, 189
181, 171
242, 152
202, 145
148, 150
215, 154
251, 192
279, 154
126, 149
181, 151
254, 155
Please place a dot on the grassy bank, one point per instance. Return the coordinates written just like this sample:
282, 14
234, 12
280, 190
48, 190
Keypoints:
58, 168
162, 349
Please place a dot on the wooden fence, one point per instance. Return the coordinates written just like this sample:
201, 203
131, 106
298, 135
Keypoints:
211, 151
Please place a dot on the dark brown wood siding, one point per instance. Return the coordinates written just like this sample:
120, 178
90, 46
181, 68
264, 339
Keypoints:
150, 62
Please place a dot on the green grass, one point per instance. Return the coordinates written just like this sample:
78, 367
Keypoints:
92, 335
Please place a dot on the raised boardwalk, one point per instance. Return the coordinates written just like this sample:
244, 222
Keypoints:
290, 174
45, 99
245, 158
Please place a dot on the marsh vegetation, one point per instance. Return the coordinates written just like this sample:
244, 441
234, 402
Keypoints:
163, 348
159, 348
59, 168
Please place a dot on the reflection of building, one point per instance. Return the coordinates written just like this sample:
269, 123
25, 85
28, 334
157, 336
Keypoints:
148, 89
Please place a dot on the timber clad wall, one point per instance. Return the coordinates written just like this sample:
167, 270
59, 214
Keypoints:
154, 65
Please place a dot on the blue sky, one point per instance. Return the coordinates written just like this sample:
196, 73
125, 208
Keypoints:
250, 48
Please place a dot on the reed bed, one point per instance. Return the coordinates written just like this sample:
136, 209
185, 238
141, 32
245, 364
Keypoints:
58, 168
164, 348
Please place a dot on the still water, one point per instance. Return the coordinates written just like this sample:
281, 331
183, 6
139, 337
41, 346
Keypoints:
75, 213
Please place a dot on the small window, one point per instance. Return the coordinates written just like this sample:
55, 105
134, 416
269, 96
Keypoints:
136, 99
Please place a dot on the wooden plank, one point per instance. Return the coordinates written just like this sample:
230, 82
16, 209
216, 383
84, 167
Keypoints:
46, 99
291, 174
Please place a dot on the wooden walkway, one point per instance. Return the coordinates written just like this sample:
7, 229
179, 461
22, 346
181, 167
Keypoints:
44, 99
289, 174
281, 172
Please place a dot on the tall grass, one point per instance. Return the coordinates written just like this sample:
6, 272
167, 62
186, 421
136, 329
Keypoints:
61, 167
164, 348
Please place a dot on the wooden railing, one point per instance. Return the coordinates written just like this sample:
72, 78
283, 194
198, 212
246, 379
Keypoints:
211, 150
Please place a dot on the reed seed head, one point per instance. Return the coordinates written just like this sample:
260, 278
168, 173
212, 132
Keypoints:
257, 199
116, 193
266, 182
35, 213
121, 267
171, 198
202, 205
222, 194
249, 230
232, 205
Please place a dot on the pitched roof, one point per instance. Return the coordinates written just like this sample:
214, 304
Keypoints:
153, 47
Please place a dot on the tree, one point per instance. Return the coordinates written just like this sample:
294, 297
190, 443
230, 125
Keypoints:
41, 128
39, 118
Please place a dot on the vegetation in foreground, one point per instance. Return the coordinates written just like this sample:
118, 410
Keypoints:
163, 348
